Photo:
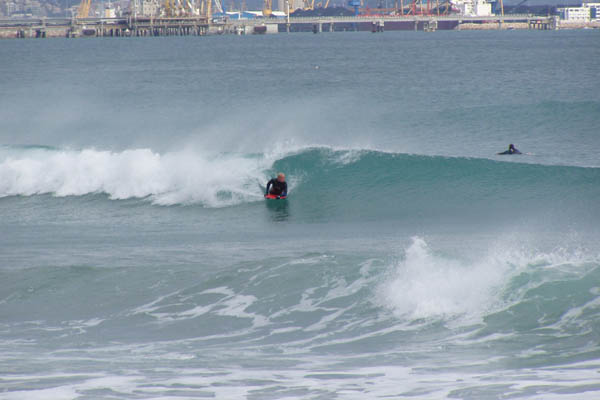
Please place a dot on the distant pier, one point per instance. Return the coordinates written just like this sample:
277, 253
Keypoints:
200, 26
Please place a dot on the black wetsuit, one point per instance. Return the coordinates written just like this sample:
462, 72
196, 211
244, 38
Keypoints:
510, 151
277, 188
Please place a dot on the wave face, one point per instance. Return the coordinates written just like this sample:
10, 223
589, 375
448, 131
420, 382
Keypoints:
328, 183
376, 183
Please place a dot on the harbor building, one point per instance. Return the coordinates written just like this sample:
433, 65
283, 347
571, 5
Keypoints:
587, 12
473, 8
150, 8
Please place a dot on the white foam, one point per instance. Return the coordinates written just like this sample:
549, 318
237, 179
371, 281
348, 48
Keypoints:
324, 377
183, 177
426, 285
230, 304
56, 393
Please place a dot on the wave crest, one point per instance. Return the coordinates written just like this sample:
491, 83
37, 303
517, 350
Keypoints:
165, 179
503, 284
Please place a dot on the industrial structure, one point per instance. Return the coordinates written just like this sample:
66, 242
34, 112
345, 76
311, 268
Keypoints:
215, 8
202, 17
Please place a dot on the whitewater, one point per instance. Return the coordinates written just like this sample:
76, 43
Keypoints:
139, 259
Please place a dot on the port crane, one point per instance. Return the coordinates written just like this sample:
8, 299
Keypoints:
83, 11
309, 5
174, 8
208, 7
169, 8
267, 8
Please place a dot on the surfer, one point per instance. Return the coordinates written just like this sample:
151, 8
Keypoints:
277, 186
511, 150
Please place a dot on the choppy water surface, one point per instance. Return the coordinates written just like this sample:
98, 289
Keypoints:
138, 259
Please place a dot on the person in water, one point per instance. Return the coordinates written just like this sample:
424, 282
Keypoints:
511, 150
277, 186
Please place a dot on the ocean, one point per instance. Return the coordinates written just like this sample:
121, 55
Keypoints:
139, 260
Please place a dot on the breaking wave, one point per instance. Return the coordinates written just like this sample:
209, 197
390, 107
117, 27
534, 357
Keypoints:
218, 180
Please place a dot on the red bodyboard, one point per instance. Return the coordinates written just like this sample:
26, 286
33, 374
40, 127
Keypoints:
274, 197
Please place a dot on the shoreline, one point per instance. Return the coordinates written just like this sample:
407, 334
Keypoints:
66, 31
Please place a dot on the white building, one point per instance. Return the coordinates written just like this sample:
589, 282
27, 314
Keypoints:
585, 13
10, 8
594, 11
146, 8
482, 8
110, 12
473, 8
150, 8
574, 14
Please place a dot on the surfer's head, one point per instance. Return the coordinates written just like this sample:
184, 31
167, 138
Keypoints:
511, 146
281, 177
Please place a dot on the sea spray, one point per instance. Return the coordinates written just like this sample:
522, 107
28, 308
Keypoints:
427, 285
166, 179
